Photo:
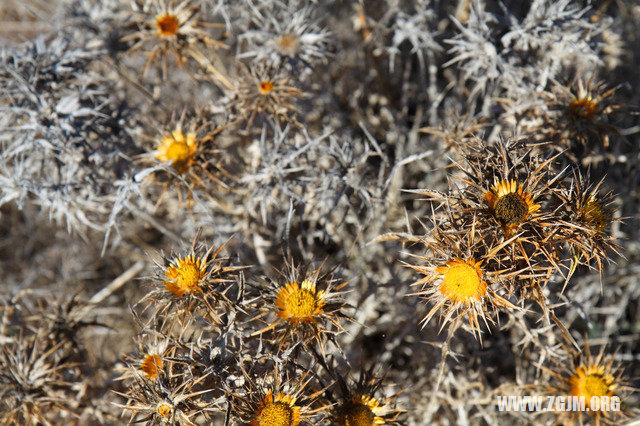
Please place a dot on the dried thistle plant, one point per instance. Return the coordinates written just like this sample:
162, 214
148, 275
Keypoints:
168, 400
470, 148
279, 399
199, 280
265, 92
361, 403
285, 34
35, 380
461, 278
586, 220
582, 112
307, 305
190, 148
63, 142
585, 375
170, 27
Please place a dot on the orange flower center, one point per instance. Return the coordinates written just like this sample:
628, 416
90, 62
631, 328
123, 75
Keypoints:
511, 209
179, 150
168, 25
462, 282
184, 278
585, 108
163, 409
276, 414
265, 87
151, 366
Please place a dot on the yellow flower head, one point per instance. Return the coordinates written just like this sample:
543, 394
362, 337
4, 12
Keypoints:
185, 275
462, 281
151, 366
179, 150
587, 376
360, 410
299, 303
456, 284
168, 24
278, 410
163, 409
592, 381
510, 204
309, 307
266, 87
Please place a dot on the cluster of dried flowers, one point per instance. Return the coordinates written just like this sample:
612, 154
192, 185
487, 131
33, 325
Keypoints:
334, 175
255, 352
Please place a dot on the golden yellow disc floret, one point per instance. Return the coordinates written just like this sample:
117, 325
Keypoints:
276, 414
179, 150
185, 276
278, 410
592, 381
299, 303
462, 281
163, 409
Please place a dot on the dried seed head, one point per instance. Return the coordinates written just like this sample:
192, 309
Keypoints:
595, 215
360, 411
582, 112
288, 44
288, 36
510, 204
511, 209
585, 214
